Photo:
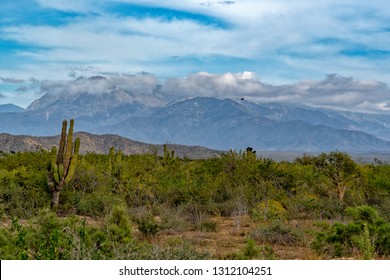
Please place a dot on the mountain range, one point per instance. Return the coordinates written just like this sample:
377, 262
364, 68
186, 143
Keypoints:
157, 117
92, 143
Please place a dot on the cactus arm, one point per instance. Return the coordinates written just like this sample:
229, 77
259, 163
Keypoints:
71, 169
55, 174
76, 146
73, 162
61, 149
52, 160
68, 149
60, 170
118, 157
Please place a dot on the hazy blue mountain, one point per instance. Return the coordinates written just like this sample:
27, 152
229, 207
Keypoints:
10, 108
106, 104
99, 107
375, 124
229, 124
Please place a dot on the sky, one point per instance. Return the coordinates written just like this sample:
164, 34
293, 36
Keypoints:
324, 52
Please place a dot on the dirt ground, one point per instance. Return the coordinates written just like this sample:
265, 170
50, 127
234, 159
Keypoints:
231, 237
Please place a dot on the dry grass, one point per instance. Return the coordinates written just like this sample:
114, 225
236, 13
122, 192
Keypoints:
230, 239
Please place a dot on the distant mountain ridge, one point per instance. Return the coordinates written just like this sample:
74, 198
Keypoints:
10, 108
92, 143
226, 124
151, 115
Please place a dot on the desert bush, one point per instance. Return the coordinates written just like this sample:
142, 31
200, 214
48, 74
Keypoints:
269, 211
23, 192
226, 208
148, 226
97, 203
277, 233
330, 208
366, 235
208, 226
253, 251
118, 225
195, 212
42, 238
173, 219
303, 206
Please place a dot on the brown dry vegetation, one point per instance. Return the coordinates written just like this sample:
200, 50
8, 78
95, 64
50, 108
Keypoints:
230, 238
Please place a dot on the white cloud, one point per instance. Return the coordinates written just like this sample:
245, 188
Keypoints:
140, 84
342, 93
118, 39
282, 41
80, 6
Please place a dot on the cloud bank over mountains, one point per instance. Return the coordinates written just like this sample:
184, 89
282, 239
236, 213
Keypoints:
334, 91
100, 85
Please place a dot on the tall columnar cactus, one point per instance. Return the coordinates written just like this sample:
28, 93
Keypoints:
169, 156
115, 168
62, 165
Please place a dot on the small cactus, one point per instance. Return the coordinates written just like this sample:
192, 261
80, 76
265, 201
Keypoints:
62, 165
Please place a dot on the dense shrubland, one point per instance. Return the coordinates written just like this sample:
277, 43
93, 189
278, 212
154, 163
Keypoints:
117, 205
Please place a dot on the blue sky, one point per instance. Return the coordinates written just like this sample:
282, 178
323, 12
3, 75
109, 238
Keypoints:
281, 41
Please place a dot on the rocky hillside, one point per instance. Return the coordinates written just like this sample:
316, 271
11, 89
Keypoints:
91, 143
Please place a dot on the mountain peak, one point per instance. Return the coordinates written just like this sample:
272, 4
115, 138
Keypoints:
96, 78
10, 108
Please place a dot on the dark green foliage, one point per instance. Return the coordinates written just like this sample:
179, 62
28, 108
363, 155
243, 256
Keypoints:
148, 226
367, 233
253, 251
23, 189
49, 237
33, 161
339, 168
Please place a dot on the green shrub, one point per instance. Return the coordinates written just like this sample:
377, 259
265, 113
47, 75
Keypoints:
148, 226
364, 243
118, 225
277, 233
269, 211
366, 235
22, 192
253, 251
208, 226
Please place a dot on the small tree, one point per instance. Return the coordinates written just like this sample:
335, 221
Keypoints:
62, 165
339, 168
